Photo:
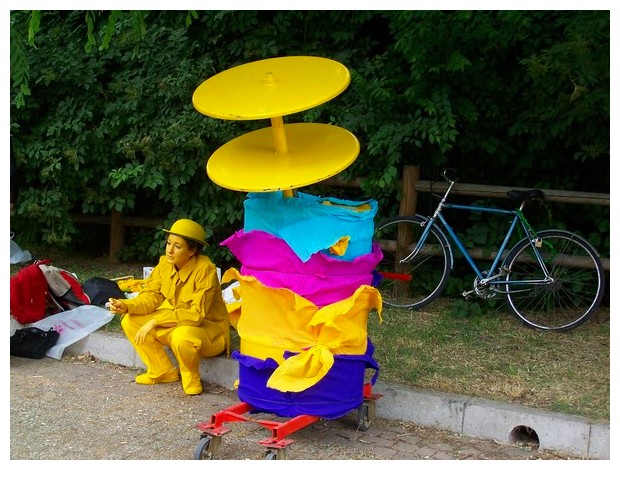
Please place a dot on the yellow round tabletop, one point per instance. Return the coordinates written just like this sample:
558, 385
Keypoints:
250, 163
271, 88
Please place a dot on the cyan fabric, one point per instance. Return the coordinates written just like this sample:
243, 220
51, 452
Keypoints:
311, 224
338, 392
323, 279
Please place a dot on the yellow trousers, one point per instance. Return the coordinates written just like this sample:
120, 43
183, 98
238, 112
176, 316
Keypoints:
188, 344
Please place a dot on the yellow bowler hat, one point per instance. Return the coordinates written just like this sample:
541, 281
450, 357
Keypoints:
188, 229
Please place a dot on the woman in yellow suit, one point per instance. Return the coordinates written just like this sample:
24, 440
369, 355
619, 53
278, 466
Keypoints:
181, 307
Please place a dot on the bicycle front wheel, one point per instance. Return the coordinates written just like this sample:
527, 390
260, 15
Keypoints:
575, 289
423, 278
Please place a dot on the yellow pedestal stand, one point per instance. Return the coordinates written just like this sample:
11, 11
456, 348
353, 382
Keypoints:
280, 157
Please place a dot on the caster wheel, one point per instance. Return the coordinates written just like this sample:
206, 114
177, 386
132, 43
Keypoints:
275, 454
206, 448
363, 418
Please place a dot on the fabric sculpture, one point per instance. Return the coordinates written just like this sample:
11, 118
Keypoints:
305, 296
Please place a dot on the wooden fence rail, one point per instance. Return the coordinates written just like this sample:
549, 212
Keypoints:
410, 184
117, 222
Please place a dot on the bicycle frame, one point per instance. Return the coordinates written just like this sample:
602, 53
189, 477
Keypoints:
551, 279
489, 277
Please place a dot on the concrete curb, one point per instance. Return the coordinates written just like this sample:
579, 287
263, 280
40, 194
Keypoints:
468, 416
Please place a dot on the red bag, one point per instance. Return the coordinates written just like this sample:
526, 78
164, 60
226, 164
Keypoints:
65, 290
29, 293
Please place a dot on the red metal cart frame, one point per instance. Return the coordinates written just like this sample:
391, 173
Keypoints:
213, 431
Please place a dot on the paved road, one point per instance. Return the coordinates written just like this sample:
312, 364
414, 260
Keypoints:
83, 409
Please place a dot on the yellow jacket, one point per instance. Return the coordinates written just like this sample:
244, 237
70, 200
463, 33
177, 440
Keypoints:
192, 296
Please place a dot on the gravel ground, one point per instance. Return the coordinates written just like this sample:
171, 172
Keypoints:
84, 409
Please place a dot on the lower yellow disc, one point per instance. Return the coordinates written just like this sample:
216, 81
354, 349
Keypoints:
250, 163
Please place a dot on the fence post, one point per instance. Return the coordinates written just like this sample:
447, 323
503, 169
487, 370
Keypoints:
408, 203
117, 234
404, 238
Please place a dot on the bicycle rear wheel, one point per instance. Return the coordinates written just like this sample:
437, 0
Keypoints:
576, 290
423, 278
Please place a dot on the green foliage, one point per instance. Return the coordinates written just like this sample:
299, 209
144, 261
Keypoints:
464, 309
19, 63
101, 110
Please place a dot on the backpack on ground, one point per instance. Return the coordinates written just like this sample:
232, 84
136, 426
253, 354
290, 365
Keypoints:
41, 289
100, 289
29, 293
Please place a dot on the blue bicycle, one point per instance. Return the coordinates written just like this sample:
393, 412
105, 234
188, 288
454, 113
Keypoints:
551, 280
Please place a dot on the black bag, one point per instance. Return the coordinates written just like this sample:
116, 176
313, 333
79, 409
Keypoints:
32, 342
100, 289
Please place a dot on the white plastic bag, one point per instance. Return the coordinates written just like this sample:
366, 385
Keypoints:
73, 325
228, 295
17, 254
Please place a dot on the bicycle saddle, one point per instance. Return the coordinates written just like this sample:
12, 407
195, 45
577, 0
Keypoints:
526, 194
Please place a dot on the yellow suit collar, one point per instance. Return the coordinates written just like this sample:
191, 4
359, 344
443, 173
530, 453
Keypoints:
186, 270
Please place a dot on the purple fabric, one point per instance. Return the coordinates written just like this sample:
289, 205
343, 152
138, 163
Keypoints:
322, 279
339, 392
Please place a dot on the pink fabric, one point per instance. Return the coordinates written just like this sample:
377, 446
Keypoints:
322, 279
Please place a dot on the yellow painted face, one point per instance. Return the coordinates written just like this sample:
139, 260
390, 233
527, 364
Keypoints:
178, 252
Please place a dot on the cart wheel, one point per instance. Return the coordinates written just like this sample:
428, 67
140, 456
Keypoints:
206, 447
363, 417
275, 454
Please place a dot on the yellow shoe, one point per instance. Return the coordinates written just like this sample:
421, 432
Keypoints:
197, 390
146, 379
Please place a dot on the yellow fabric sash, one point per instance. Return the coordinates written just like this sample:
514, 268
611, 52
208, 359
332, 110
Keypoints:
275, 320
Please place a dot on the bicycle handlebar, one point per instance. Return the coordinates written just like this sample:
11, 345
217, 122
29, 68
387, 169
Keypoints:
451, 172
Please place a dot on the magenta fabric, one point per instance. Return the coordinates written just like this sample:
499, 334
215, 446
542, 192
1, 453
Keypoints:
322, 279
